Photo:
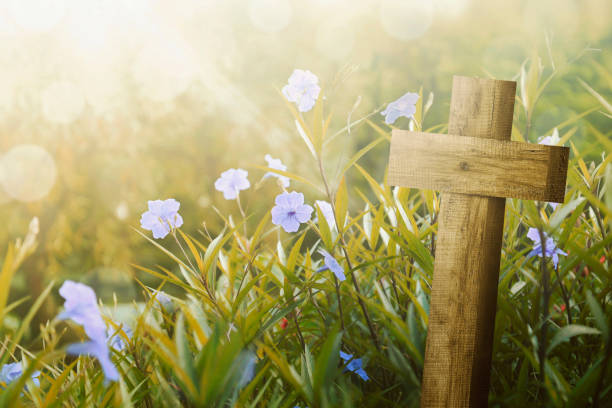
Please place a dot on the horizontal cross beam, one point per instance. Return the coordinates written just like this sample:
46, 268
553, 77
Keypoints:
477, 166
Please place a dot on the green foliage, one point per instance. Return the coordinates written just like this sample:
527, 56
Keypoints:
259, 304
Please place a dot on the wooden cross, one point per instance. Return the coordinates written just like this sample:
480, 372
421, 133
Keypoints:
476, 166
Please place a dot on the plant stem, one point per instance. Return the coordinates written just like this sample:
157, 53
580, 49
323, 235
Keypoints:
348, 260
545, 279
243, 214
184, 252
299, 332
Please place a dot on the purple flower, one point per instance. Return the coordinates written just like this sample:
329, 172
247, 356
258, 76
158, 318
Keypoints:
345, 356
115, 339
404, 106
162, 217
332, 265
303, 89
99, 349
163, 299
276, 164
552, 140
328, 212
355, 365
11, 372
290, 211
551, 247
231, 182
81, 306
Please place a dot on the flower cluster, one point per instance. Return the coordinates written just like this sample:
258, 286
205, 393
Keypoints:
328, 213
552, 140
404, 106
303, 89
332, 264
81, 307
290, 211
11, 372
115, 340
162, 217
231, 182
277, 164
550, 248
354, 365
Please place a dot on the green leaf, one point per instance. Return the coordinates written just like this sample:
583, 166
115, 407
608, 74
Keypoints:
324, 229
326, 366
292, 176
6, 275
598, 313
361, 153
569, 331
559, 215
185, 357
341, 206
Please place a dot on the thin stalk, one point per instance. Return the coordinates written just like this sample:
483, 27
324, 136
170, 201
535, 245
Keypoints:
341, 315
318, 308
564, 295
299, 332
244, 225
348, 261
545, 313
183, 250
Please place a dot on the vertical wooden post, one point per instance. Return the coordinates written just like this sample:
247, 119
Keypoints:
466, 271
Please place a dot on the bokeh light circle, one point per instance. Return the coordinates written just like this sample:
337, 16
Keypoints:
122, 211
270, 16
406, 19
36, 15
28, 172
62, 102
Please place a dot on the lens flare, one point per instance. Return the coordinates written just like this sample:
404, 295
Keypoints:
28, 172
406, 19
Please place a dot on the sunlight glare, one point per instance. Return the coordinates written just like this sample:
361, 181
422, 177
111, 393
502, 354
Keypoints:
451, 8
406, 19
164, 68
270, 16
335, 39
36, 15
29, 172
62, 102
6, 94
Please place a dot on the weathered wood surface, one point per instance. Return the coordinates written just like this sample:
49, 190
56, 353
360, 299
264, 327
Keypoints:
472, 165
466, 270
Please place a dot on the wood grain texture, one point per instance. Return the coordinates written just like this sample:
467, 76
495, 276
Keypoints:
466, 269
471, 165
